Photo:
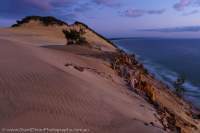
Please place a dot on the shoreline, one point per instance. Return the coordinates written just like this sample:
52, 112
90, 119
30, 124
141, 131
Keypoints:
153, 76
153, 72
149, 93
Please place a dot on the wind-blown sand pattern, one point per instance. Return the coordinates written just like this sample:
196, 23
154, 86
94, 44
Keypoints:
44, 83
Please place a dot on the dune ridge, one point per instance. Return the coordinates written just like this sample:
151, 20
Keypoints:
46, 83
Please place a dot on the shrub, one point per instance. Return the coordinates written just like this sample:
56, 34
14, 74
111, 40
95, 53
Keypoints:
102, 37
145, 71
75, 37
179, 89
46, 21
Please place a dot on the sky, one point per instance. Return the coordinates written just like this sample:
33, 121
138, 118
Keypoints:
114, 18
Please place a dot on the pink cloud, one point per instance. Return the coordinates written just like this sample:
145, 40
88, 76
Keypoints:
42, 4
47, 4
182, 4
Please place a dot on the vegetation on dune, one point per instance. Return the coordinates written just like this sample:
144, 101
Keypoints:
140, 81
49, 20
128, 61
46, 21
179, 89
75, 37
123, 64
99, 35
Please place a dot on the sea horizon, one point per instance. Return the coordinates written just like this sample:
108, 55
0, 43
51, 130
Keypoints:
149, 37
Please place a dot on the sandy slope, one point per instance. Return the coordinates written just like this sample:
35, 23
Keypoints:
38, 90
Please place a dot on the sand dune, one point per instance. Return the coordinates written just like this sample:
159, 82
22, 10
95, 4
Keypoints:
46, 84
38, 90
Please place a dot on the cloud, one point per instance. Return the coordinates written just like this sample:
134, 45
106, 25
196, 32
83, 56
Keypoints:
109, 3
175, 29
191, 13
10, 8
133, 13
83, 7
44, 5
139, 12
182, 4
59, 8
156, 11
16, 9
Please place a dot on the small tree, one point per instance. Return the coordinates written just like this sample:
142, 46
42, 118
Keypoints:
179, 89
75, 37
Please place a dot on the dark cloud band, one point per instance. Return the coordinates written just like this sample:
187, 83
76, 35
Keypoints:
175, 29
139, 12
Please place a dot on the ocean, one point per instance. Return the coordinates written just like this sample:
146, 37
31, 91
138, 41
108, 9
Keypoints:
168, 59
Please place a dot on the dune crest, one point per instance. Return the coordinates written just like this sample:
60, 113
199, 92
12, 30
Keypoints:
57, 26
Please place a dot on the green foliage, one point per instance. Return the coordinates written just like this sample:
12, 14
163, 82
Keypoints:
145, 71
46, 21
179, 89
75, 37
99, 35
